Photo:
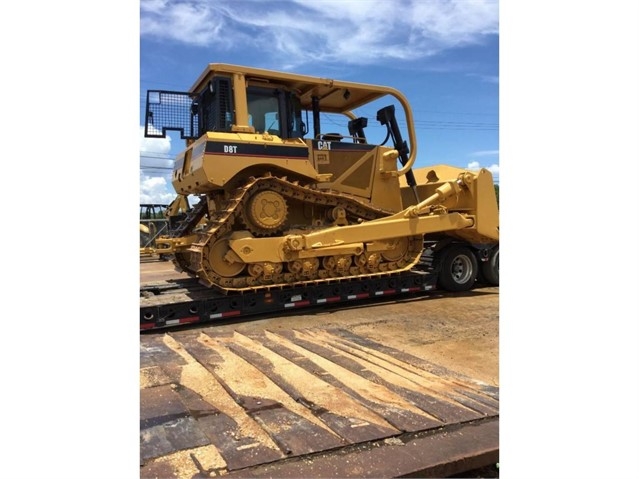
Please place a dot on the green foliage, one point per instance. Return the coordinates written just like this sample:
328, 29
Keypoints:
152, 212
497, 194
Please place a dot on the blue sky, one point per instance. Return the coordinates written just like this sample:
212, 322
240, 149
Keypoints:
443, 55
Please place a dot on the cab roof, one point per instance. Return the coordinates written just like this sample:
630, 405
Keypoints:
335, 96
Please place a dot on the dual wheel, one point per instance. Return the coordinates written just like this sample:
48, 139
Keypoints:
460, 268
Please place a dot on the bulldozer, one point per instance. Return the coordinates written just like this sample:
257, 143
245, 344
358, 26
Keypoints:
288, 187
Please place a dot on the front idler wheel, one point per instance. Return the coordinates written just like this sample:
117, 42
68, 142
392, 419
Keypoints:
223, 261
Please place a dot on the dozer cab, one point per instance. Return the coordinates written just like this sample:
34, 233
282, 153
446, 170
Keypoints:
288, 196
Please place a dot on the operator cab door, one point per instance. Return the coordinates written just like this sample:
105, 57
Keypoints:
264, 110
274, 111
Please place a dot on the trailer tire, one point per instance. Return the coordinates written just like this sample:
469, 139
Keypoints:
490, 269
459, 269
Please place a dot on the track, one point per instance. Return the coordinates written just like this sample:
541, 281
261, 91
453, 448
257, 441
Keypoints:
204, 257
310, 402
175, 302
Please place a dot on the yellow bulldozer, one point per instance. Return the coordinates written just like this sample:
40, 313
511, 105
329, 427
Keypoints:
289, 189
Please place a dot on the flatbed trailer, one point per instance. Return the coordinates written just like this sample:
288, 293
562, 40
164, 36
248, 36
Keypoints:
297, 391
166, 304
178, 301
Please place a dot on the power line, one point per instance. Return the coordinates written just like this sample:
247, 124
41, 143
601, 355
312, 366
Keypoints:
421, 124
432, 125
149, 167
166, 157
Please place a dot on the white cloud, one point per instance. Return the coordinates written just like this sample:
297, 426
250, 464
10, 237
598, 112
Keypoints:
454, 22
485, 153
485, 78
155, 190
155, 170
154, 145
359, 31
494, 168
196, 23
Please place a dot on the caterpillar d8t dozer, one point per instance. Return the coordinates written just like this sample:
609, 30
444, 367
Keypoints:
281, 204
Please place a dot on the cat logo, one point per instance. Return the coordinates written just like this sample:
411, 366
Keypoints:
323, 145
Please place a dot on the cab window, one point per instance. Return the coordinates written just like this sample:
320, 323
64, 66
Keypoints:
263, 110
